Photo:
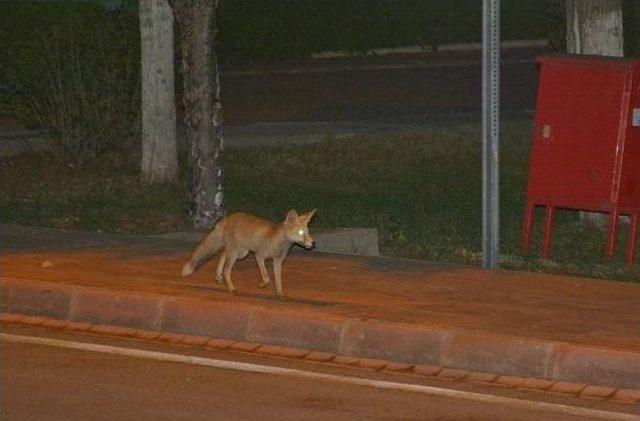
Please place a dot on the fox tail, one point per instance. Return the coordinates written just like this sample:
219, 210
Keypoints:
205, 251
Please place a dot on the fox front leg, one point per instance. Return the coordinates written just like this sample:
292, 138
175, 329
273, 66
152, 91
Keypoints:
263, 272
223, 258
277, 275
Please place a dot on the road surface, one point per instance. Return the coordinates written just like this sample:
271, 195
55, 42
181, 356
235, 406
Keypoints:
406, 90
45, 382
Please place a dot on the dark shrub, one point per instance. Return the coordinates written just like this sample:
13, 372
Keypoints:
73, 69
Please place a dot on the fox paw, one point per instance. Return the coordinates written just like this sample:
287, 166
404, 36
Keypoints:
218, 280
187, 270
263, 284
283, 298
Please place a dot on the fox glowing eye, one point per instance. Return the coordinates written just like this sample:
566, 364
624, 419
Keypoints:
300, 232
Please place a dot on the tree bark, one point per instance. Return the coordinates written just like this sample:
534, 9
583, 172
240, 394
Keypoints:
159, 144
202, 108
594, 27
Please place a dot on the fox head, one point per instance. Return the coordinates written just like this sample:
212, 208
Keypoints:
296, 228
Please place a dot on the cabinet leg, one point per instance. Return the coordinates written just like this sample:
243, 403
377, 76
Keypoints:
612, 233
633, 239
547, 232
527, 227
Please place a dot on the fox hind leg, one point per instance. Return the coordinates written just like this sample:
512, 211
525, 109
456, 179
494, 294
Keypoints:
228, 265
263, 272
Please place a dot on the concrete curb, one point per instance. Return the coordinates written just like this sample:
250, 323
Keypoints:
580, 390
417, 49
327, 334
359, 241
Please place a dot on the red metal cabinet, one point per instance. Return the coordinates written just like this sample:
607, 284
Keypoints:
585, 152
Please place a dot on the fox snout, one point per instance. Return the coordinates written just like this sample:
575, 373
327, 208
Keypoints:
309, 242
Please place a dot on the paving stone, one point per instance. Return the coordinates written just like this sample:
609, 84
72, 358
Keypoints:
33, 320
270, 350
112, 330
290, 352
172, 338
204, 318
453, 374
275, 325
148, 335
398, 342
195, 340
537, 384
372, 363
95, 306
567, 388
479, 377
55, 323
396, 366
345, 360
427, 370
479, 351
78, 326
125, 331
320, 356
627, 396
244, 346
36, 298
10, 317
509, 381
218, 343
597, 392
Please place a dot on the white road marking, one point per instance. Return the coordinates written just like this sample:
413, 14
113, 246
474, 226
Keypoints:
289, 372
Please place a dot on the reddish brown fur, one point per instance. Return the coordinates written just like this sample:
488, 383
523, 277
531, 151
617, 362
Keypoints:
239, 234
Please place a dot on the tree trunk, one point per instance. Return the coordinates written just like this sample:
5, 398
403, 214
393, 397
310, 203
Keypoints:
202, 108
159, 145
595, 27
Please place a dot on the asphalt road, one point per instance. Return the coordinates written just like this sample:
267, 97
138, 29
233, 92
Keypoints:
42, 382
403, 90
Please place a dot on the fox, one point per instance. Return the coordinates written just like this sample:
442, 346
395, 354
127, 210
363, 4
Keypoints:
239, 234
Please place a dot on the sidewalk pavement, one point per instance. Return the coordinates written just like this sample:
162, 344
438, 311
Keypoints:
505, 322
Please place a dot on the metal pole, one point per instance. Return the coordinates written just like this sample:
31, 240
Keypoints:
490, 133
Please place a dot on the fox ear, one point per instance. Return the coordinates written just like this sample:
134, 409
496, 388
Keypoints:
307, 217
292, 216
